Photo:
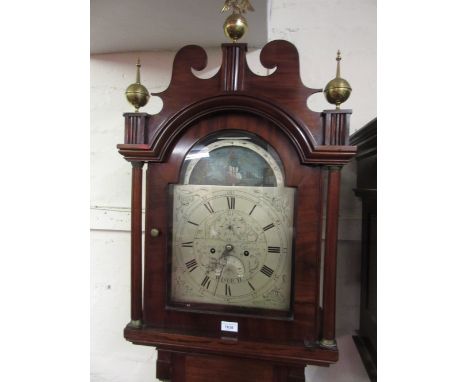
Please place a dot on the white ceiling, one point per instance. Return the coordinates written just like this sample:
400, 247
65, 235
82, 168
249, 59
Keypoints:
148, 25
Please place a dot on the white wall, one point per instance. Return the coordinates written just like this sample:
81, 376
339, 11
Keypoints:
318, 28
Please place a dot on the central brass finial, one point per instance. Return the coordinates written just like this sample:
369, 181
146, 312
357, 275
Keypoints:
236, 25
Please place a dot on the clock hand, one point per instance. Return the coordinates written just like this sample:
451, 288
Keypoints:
219, 278
228, 248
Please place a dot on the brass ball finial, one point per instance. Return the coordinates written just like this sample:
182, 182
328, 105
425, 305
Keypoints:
236, 25
337, 90
136, 93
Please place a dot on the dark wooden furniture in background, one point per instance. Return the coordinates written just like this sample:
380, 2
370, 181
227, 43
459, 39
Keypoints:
191, 346
366, 141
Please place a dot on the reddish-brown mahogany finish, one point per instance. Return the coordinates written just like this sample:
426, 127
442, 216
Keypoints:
329, 273
136, 265
201, 368
302, 324
280, 97
267, 347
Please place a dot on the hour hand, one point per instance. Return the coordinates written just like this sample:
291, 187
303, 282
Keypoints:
222, 261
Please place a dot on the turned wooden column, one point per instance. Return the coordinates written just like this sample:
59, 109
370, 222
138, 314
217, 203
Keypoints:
329, 273
136, 264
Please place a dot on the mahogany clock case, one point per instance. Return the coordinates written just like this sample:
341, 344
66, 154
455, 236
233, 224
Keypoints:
309, 144
253, 324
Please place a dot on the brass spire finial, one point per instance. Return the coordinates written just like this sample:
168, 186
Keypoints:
338, 59
136, 93
236, 25
337, 90
138, 65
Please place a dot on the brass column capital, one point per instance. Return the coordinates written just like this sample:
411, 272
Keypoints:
137, 164
334, 167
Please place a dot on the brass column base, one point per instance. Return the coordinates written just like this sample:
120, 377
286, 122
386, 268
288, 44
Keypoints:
328, 344
136, 324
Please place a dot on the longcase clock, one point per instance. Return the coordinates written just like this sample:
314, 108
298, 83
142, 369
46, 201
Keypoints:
235, 168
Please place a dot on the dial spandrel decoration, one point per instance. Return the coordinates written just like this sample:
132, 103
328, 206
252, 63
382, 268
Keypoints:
232, 227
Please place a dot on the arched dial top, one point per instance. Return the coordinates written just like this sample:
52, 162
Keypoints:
232, 227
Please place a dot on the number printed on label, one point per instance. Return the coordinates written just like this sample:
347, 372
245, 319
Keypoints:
229, 326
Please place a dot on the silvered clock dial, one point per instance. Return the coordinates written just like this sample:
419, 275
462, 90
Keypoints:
232, 229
